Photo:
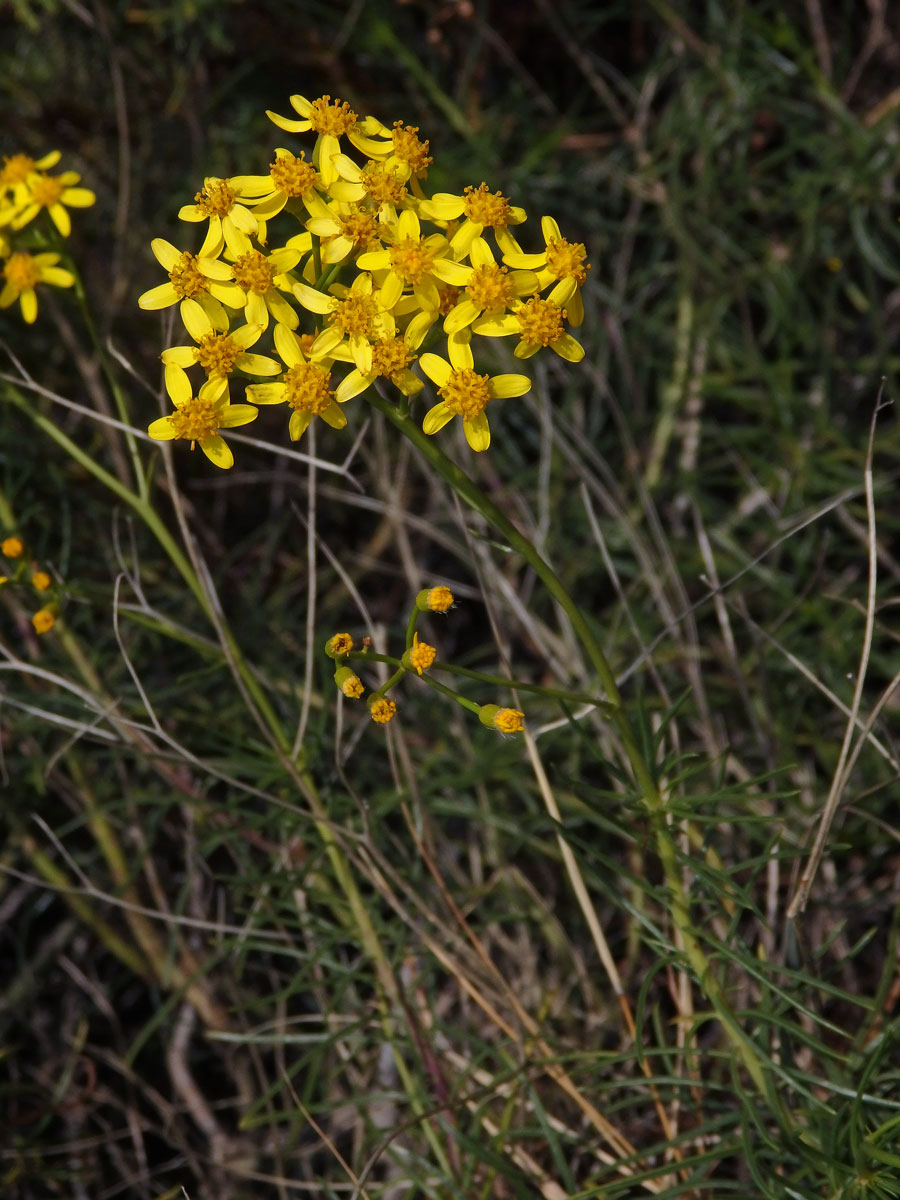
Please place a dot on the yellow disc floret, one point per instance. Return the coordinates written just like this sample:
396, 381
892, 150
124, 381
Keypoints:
216, 198
490, 288
436, 599
409, 148
186, 277
217, 354
421, 655
43, 621
12, 547
46, 190
195, 420
349, 683
466, 393
382, 186
21, 272
360, 227
390, 356
413, 259
16, 169
294, 176
306, 388
340, 644
355, 315
504, 720
41, 580
337, 118
254, 273
541, 321
509, 720
382, 709
565, 260
486, 207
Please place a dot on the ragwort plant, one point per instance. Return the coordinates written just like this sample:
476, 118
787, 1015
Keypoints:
339, 279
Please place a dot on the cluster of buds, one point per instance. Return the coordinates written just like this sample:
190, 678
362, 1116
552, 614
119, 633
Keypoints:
377, 270
27, 192
27, 574
417, 658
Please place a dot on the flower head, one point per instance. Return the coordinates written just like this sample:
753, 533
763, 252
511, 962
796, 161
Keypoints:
437, 599
538, 323
43, 620
339, 645
55, 193
504, 720
199, 418
41, 581
23, 272
561, 267
218, 353
194, 277
350, 684
464, 393
420, 656
12, 547
305, 386
382, 709
330, 120
231, 224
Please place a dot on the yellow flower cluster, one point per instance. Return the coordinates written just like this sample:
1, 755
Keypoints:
12, 548
377, 267
27, 189
418, 657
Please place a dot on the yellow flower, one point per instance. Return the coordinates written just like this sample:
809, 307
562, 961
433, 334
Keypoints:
330, 120
260, 276
339, 645
305, 386
199, 418
353, 313
380, 184
290, 178
349, 683
41, 580
23, 272
437, 599
538, 323
43, 621
219, 354
194, 277
464, 393
391, 359
343, 229
55, 193
15, 174
481, 209
12, 547
504, 720
382, 709
230, 223
491, 290
420, 656
561, 264
412, 261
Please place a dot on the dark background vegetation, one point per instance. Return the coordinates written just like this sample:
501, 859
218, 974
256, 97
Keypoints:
732, 169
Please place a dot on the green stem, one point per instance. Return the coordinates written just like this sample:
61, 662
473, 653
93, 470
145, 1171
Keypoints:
644, 774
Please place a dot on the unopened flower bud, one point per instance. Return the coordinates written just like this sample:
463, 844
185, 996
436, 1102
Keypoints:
505, 720
436, 599
349, 683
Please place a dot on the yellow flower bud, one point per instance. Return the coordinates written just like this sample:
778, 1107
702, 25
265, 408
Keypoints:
436, 599
504, 720
349, 683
